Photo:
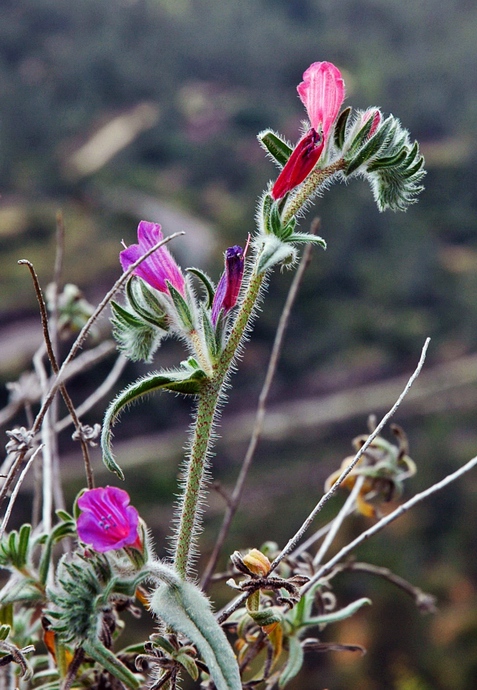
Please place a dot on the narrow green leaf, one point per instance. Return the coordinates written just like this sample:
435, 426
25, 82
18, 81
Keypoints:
339, 615
209, 335
23, 544
275, 145
371, 147
189, 664
187, 381
111, 663
274, 251
136, 291
294, 662
388, 161
306, 237
184, 608
182, 308
208, 284
340, 128
5, 629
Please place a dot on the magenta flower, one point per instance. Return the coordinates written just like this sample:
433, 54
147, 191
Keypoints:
322, 93
160, 267
227, 291
107, 521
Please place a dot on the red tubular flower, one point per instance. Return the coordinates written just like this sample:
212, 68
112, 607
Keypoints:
322, 93
227, 291
160, 267
303, 159
107, 521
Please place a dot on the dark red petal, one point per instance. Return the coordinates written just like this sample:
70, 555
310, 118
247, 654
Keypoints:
303, 159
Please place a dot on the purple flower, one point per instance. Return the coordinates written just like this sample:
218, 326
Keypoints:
322, 92
107, 521
160, 266
227, 291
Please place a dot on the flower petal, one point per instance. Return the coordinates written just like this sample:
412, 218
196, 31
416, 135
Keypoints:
303, 159
160, 267
107, 521
322, 92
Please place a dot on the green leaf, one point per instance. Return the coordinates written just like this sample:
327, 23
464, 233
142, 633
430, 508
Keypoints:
137, 339
182, 308
67, 528
306, 237
208, 284
339, 615
277, 147
145, 303
274, 251
294, 662
371, 147
186, 380
340, 128
111, 663
209, 335
23, 545
183, 607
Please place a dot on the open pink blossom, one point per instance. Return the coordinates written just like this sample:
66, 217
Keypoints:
322, 93
107, 521
160, 267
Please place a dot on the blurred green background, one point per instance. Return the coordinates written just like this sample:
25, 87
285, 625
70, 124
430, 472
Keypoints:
128, 109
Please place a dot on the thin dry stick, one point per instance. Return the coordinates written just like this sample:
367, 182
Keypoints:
234, 501
15, 491
296, 538
76, 346
238, 601
87, 327
62, 388
338, 521
99, 393
325, 569
58, 496
425, 602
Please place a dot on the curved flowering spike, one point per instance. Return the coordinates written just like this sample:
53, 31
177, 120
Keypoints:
227, 291
107, 521
322, 92
160, 267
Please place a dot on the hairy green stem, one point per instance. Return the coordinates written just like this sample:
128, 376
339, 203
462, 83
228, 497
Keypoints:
208, 403
195, 478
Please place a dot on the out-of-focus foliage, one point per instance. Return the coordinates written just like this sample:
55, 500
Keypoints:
184, 87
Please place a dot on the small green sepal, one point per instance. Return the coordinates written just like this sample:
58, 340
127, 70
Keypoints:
183, 312
276, 146
207, 283
340, 128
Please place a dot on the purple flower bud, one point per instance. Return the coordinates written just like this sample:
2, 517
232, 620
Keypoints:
107, 521
160, 266
227, 291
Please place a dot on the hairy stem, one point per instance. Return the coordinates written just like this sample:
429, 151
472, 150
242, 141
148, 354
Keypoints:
196, 469
209, 398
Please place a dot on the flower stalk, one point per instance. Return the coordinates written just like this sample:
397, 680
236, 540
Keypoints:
207, 408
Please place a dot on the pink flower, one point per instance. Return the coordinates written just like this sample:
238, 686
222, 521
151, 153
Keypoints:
107, 521
160, 266
322, 93
227, 291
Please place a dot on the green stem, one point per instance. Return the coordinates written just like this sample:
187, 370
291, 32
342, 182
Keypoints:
209, 397
194, 477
